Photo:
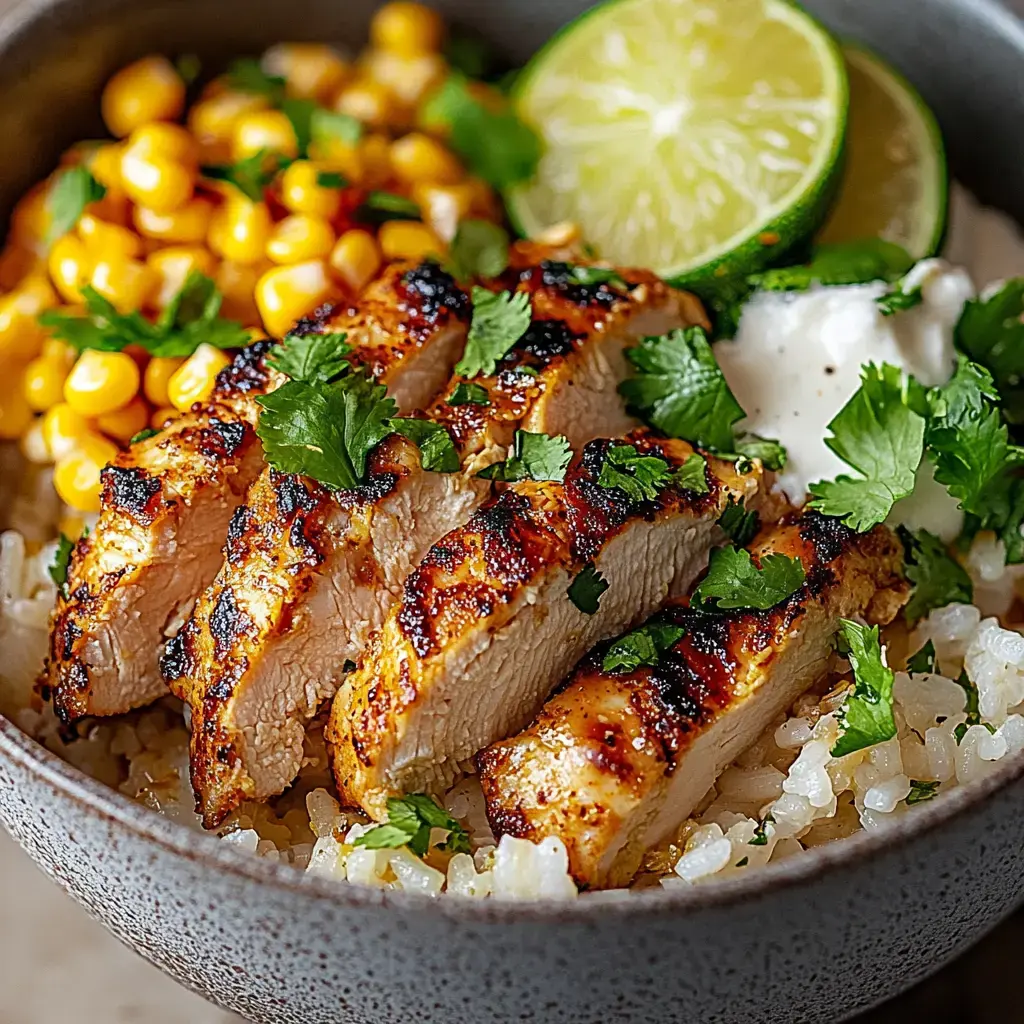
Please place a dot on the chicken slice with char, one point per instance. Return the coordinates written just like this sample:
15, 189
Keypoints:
167, 501
486, 628
314, 575
616, 761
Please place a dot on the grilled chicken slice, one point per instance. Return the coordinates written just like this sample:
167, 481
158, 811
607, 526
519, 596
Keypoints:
617, 761
486, 626
311, 574
167, 501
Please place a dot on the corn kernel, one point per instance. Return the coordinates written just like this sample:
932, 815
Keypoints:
21, 336
159, 371
64, 429
30, 219
212, 120
237, 285
60, 352
312, 71
173, 265
123, 424
375, 160
189, 223
334, 154
104, 239
148, 90
156, 181
44, 382
300, 237
418, 158
194, 380
76, 476
300, 192
406, 28
408, 78
408, 240
239, 230
166, 140
484, 203
127, 284
71, 526
263, 130
105, 167
285, 294
369, 102
162, 417
70, 266
443, 206
355, 258
101, 382
15, 412
16, 262
33, 444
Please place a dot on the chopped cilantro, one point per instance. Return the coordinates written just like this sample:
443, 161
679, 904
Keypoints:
743, 863
644, 646
479, 249
972, 708
311, 357
437, 450
325, 430
534, 457
251, 175
692, 475
845, 263
586, 589
734, 581
938, 578
144, 435
410, 820
598, 275
494, 144
878, 434
639, 477
678, 388
300, 113
500, 319
739, 525
190, 319
467, 393
468, 54
381, 206
897, 300
761, 832
866, 715
327, 126
923, 662
246, 75
750, 446
189, 67
921, 791
330, 179
58, 568
69, 195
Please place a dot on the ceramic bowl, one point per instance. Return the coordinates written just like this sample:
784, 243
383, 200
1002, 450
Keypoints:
815, 938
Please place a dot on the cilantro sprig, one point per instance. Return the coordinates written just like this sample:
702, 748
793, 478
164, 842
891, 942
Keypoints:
252, 175
533, 457
692, 475
920, 792
58, 568
190, 320
410, 821
643, 646
587, 588
311, 358
71, 192
437, 449
733, 581
923, 661
467, 393
739, 525
866, 716
938, 578
479, 249
499, 320
639, 477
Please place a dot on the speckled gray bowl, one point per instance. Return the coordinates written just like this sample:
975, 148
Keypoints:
816, 938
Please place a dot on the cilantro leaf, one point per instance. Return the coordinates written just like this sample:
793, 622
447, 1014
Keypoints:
972, 708
69, 195
493, 143
921, 791
751, 446
938, 578
437, 450
499, 320
843, 263
246, 75
692, 475
330, 179
380, 206
586, 589
866, 714
251, 175
760, 837
734, 581
469, 54
991, 332
325, 431
923, 662
327, 126
878, 434
724, 299
639, 477
534, 457
678, 387
597, 275
739, 525
144, 435
300, 112
644, 646
58, 568
897, 300
466, 393
479, 249
311, 357
410, 819
188, 66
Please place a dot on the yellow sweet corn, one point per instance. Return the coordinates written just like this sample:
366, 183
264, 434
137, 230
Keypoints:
194, 380
355, 258
173, 265
44, 382
128, 284
76, 476
70, 266
312, 71
124, 424
408, 240
101, 382
301, 193
269, 130
285, 294
239, 229
148, 90
406, 28
300, 237
64, 429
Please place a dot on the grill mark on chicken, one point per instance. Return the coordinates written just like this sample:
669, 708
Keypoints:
557, 275
596, 766
132, 490
433, 293
222, 439
315, 323
247, 373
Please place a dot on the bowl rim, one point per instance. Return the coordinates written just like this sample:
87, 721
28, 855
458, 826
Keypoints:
22, 750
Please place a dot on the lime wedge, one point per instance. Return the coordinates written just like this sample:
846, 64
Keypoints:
895, 184
688, 136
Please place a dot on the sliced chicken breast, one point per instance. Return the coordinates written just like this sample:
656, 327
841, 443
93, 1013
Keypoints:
167, 501
488, 625
307, 614
616, 761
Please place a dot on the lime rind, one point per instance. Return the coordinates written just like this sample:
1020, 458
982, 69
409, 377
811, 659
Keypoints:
774, 228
